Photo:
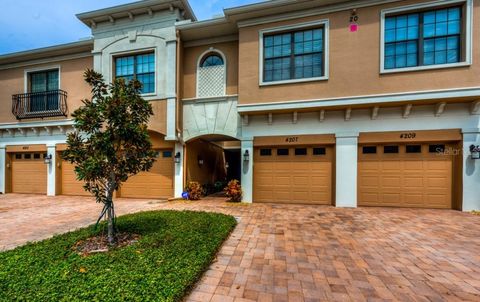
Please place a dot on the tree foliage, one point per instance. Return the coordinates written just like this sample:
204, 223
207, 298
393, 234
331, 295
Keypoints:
110, 142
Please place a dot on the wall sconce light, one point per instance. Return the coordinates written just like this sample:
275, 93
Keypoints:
475, 151
200, 161
177, 158
246, 156
48, 159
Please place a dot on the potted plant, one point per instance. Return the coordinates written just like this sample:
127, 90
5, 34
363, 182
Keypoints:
194, 190
233, 190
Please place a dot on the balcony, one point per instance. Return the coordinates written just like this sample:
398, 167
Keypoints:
39, 104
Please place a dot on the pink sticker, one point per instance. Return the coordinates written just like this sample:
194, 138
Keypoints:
353, 27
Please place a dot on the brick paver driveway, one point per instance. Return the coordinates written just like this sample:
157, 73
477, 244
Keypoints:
301, 253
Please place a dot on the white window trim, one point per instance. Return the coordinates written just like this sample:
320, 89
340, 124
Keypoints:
199, 61
27, 72
326, 26
113, 66
468, 34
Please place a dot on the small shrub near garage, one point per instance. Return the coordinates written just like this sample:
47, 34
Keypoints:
173, 250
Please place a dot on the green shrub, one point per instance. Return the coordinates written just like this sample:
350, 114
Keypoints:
172, 253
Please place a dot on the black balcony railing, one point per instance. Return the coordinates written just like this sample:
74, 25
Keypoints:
39, 104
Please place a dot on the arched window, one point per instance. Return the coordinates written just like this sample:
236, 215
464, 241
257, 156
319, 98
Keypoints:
212, 60
211, 74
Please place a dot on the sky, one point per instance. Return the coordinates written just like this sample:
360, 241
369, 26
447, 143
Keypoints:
30, 24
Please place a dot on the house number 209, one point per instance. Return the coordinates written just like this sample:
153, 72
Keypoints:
408, 135
292, 139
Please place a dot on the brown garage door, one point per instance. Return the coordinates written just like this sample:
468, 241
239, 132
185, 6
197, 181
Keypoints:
70, 184
29, 173
293, 175
415, 175
156, 183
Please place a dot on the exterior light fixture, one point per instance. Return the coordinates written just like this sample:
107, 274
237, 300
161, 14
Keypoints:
246, 156
475, 151
200, 161
227, 165
48, 159
177, 158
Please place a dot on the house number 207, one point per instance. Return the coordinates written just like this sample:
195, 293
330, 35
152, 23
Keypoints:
292, 139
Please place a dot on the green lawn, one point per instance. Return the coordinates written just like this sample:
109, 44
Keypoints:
174, 250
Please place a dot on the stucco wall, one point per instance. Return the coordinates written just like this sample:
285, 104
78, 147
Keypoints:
354, 63
12, 81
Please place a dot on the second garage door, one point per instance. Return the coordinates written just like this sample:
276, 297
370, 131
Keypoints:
156, 183
70, 184
29, 173
293, 175
415, 175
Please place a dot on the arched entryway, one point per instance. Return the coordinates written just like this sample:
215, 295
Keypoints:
212, 160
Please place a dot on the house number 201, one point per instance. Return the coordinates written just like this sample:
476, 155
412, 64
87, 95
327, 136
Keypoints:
292, 139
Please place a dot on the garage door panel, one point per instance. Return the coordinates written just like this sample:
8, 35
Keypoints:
29, 176
155, 183
293, 179
405, 180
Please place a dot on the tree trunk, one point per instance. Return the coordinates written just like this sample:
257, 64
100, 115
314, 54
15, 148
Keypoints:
110, 217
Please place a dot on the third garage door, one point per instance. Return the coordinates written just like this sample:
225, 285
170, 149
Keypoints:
293, 175
156, 183
408, 175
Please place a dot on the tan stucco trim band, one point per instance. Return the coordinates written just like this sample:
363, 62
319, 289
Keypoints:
294, 140
409, 136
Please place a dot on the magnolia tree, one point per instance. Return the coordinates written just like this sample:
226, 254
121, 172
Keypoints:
110, 142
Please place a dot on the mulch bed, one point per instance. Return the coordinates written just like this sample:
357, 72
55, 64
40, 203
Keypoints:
99, 244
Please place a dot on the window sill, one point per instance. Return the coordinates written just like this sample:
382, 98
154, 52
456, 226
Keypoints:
324, 78
427, 67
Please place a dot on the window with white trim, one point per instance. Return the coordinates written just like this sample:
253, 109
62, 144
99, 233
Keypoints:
293, 55
425, 37
140, 67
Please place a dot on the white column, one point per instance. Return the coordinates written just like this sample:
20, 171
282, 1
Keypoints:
178, 182
3, 174
471, 171
171, 84
51, 178
247, 171
346, 169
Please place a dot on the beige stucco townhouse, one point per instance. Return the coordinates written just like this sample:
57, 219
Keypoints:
345, 103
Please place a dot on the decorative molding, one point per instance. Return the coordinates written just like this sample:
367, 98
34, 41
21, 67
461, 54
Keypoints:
49, 130
22, 131
321, 115
361, 100
270, 118
294, 117
440, 108
35, 131
407, 109
375, 111
475, 107
348, 114
245, 119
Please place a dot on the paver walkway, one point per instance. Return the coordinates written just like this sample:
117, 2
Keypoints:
300, 253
